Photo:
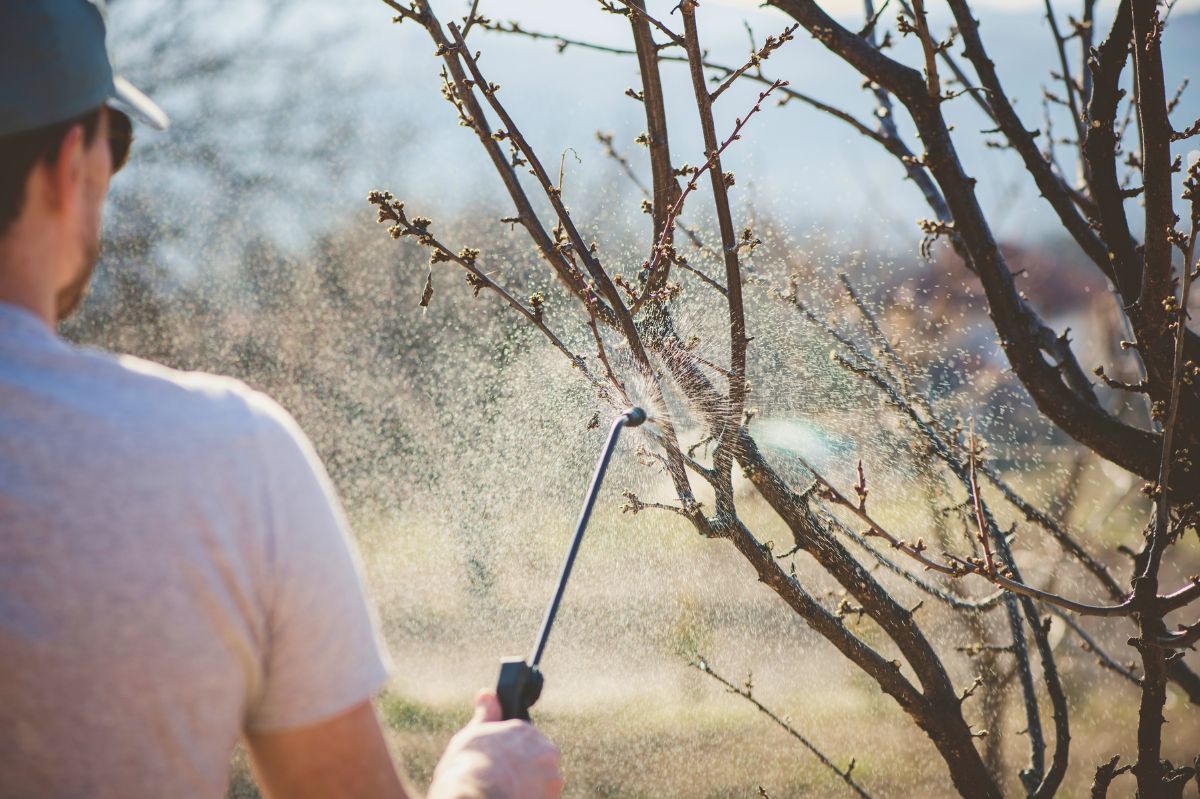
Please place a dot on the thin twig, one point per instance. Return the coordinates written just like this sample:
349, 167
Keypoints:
405, 12
1089, 644
846, 774
670, 34
977, 504
471, 19
392, 211
1067, 79
756, 58
602, 355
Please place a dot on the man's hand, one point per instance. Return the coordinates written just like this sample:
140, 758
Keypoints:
494, 759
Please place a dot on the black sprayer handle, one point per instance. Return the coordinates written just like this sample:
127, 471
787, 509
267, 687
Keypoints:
519, 687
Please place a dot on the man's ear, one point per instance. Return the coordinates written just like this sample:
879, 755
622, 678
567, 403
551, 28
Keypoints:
65, 176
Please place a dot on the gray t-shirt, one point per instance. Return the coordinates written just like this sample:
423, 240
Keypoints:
174, 571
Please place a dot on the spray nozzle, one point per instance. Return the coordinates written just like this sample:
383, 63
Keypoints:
634, 417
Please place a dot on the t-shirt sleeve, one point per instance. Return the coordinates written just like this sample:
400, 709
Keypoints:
323, 650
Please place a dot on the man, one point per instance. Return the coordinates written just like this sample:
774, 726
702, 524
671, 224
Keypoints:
174, 567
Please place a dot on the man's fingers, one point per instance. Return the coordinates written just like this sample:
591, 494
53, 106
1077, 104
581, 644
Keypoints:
487, 708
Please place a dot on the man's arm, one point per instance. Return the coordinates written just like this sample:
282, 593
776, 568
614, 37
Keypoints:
344, 757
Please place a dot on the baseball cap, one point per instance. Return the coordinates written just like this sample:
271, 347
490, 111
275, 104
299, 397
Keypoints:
54, 66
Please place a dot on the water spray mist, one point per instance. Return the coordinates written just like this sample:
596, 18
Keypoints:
520, 682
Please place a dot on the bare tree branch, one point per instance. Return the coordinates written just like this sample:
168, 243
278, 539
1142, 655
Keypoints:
1022, 335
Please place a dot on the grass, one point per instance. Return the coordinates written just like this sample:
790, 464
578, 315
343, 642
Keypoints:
632, 719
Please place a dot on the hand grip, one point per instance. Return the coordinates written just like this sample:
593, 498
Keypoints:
518, 688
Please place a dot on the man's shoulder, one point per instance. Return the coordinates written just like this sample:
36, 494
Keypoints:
152, 395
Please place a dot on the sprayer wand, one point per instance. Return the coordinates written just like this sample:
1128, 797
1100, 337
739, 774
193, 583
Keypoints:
520, 682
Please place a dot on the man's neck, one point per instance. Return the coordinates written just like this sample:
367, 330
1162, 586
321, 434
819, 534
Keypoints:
27, 274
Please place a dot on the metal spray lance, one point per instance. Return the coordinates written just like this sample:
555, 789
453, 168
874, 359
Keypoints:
520, 682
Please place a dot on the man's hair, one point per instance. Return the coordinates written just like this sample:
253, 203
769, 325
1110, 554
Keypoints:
21, 152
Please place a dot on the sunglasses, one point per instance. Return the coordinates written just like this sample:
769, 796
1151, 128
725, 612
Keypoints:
120, 137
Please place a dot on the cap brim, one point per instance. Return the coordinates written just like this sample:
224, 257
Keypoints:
137, 102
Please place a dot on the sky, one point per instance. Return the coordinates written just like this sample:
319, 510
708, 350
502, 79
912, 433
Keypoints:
561, 100
380, 82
